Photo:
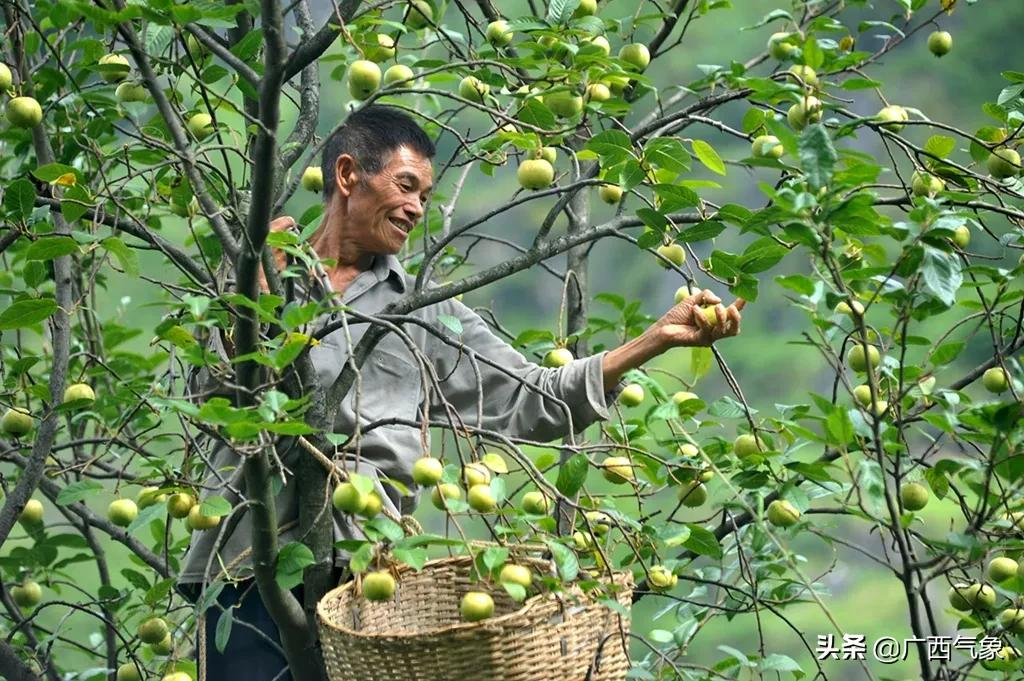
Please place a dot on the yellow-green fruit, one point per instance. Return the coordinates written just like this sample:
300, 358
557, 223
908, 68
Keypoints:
536, 503
610, 193
28, 594
558, 357
995, 380
498, 33
24, 112
564, 103
427, 471
535, 173
766, 146
781, 513
616, 82
348, 499
163, 647
807, 110
473, 89
363, 78
940, 43
313, 179
684, 292
1001, 163
862, 393
914, 496
176, 676
481, 499
131, 92
197, 521
200, 125
153, 630
79, 392
926, 184
673, 252
419, 15
693, 495
399, 73
476, 606
16, 422
475, 474
179, 504
549, 154
374, 505
586, 8
149, 496
378, 586
122, 512
6, 78
617, 469
636, 55
710, 314
962, 236
599, 521
1012, 619
582, 540
879, 408
1002, 568
119, 68
661, 578
598, 92
974, 596
684, 396
843, 307
185, 210
442, 493
516, 574
129, 672
805, 73
778, 48
601, 43
746, 445
631, 395
892, 117
383, 50
32, 514
858, 361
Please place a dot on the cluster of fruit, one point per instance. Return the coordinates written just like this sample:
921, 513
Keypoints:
156, 633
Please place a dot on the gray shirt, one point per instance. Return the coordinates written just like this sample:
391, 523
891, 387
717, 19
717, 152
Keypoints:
519, 399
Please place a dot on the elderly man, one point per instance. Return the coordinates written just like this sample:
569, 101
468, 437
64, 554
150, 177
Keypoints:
377, 179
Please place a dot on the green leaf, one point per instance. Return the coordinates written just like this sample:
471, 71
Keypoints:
565, 560
817, 155
361, 482
414, 558
77, 491
20, 198
703, 541
26, 313
869, 478
708, 156
52, 171
701, 361
291, 561
572, 474
839, 427
215, 506
940, 145
560, 11
50, 247
223, 633
941, 274
451, 322
125, 256
946, 353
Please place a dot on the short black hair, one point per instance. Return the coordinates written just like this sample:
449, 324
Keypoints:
370, 135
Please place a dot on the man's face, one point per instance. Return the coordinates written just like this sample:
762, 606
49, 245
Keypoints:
383, 208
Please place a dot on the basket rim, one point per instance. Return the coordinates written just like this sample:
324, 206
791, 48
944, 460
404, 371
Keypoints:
491, 622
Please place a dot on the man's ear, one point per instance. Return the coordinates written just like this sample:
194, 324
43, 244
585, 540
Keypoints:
345, 174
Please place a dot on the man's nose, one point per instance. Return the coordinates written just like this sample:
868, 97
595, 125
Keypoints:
414, 210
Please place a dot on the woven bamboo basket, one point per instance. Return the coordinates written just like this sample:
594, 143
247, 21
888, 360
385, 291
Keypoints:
419, 635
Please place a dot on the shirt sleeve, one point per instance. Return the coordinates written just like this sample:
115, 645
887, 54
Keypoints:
505, 392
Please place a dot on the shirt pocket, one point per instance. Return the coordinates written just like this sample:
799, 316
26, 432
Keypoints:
389, 386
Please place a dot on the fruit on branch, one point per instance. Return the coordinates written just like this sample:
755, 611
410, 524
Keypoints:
313, 179
131, 92
399, 73
348, 499
536, 503
516, 574
475, 474
1001, 163
914, 496
16, 422
879, 408
636, 55
564, 103
498, 33
778, 48
153, 630
601, 43
661, 578
610, 193
684, 292
781, 513
6, 78
119, 68
473, 89
599, 521
197, 521
767, 146
862, 393
419, 15
427, 471
28, 594
32, 514
587, 8
79, 392
24, 112
693, 494
179, 504
995, 380
746, 445
807, 110
383, 50
962, 236
684, 396
122, 512
549, 154
805, 74
598, 92
378, 586
1012, 619
476, 606
710, 314
1002, 568
892, 117
965, 597
617, 469
583, 540
616, 82
363, 78
176, 676
858, 361
558, 357
535, 173
631, 395
848, 308
481, 499
163, 647
442, 493
200, 125
148, 496
128, 672
374, 505
673, 252
940, 43
926, 184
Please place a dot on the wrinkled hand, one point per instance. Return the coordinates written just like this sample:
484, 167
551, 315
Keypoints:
281, 224
686, 325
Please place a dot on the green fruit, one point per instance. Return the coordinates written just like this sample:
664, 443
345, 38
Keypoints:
516, 574
348, 499
476, 606
363, 78
926, 184
131, 92
1002, 568
587, 8
914, 496
200, 125
962, 236
179, 504
129, 672
16, 422
473, 89
24, 112
153, 630
197, 521
601, 43
778, 48
1012, 619
498, 33
746, 445
163, 647
122, 512
862, 393
558, 357
857, 360
383, 50
661, 578
6, 78
616, 82
79, 392
693, 495
995, 380
610, 193
710, 314
481, 499
419, 15
892, 117
617, 469
399, 73
843, 307
564, 103
427, 471
536, 503
28, 594
958, 597
972, 597
313, 179
118, 70
805, 73
177, 676
583, 540
767, 146
32, 514
636, 55
549, 154
599, 521
442, 493
598, 92
378, 586
781, 513
374, 505
684, 396
475, 474
632, 395
535, 174
672, 252
940, 43
1001, 163
807, 110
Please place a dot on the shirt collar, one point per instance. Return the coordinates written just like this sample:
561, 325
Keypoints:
388, 266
